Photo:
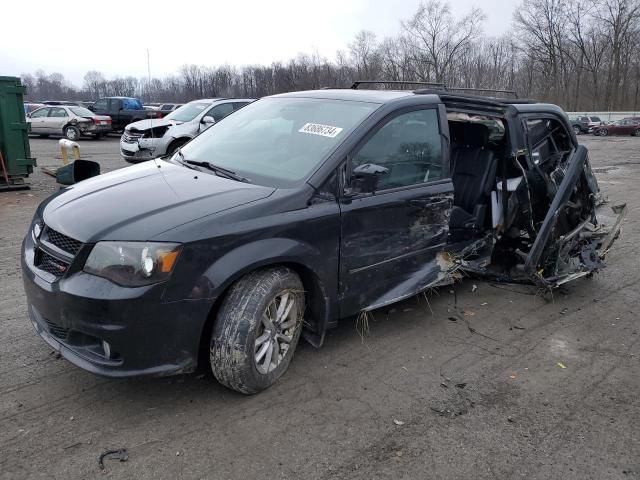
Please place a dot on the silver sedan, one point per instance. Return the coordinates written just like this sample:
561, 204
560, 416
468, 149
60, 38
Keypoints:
69, 121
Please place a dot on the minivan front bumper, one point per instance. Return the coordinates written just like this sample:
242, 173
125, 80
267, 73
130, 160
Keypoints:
77, 313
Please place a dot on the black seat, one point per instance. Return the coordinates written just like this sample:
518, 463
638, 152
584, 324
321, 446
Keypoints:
474, 166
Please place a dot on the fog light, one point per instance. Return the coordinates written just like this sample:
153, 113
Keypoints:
107, 349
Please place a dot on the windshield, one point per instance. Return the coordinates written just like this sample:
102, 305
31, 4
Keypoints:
278, 141
81, 111
187, 112
595, 119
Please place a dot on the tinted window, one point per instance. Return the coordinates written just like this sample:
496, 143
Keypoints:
100, 104
408, 147
43, 112
115, 105
239, 105
58, 112
220, 111
278, 141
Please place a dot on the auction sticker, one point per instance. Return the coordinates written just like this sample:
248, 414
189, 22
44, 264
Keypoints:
322, 130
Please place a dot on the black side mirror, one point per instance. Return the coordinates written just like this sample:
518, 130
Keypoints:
365, 178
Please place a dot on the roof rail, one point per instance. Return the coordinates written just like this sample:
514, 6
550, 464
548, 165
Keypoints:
488, 90
357, 83
434, 86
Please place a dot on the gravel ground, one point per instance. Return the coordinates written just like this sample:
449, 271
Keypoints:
420, 397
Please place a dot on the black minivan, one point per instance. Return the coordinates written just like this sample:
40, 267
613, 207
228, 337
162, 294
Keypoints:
299, 210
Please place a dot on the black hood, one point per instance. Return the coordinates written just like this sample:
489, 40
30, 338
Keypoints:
139, 202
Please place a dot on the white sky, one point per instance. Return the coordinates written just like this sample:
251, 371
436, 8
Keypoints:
112, 36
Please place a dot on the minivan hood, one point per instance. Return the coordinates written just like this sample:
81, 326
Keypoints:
142, 201
151, 123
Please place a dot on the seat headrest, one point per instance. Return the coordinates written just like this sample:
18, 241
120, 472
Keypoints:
469, 133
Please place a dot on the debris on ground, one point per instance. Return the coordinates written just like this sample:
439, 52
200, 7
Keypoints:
474, 288
561, 365
398, 422
461, 385
117, 454
564, 310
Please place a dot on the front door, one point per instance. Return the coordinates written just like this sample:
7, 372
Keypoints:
38, 120
390, 239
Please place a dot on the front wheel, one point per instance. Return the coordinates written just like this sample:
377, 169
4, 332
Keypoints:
257, 329
71, 133
603, 132
636, 132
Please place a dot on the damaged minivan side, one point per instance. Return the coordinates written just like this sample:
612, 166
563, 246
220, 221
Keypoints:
302, 209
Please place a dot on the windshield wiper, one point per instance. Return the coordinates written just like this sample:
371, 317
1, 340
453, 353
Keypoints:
220, 171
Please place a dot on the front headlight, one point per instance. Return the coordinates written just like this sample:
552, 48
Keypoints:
132, 264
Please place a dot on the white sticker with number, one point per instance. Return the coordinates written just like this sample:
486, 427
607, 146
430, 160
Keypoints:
322, 130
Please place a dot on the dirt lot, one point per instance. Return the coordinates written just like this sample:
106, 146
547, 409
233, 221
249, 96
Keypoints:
542, 389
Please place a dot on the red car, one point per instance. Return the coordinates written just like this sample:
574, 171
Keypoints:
626, 126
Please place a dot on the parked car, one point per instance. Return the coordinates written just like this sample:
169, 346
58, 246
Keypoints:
68, 121
30, 107
299, 210
123, 111
149, 139
169, 107
585, 124
626, 126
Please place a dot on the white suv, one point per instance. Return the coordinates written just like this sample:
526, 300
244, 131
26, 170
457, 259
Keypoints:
154, 138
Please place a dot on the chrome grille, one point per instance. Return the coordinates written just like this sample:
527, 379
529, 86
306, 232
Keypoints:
131, 136
61, 241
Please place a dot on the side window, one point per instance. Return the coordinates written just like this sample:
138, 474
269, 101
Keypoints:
548, 140
220, 111
43, 112
58, 113
406, 151
100, 105
115, 105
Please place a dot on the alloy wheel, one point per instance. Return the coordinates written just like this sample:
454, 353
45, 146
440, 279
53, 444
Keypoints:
276, 332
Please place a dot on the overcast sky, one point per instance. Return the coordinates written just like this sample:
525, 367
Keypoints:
113, 36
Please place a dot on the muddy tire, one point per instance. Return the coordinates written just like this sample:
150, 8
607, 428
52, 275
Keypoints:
71, 133
257, 329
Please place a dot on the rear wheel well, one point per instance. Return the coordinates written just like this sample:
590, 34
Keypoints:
316, 307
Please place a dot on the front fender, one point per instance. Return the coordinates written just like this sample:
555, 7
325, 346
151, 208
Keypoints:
313, 266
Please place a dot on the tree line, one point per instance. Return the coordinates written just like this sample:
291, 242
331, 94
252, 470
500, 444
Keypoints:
581, 54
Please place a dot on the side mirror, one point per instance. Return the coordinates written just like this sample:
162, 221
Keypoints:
208, 120
28, 115
365, 178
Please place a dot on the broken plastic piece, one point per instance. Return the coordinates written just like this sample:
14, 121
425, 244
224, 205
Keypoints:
118, 454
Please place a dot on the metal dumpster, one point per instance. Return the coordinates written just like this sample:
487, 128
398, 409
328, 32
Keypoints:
14, 139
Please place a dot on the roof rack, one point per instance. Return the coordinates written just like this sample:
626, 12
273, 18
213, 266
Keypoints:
435, 86
488, 90
357, 83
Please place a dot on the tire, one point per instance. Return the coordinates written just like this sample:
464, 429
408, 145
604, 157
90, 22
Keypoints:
636, 133
241, 343
603, 132
577, 129
71, 133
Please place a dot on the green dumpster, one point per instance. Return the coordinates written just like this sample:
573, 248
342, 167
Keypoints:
14, 139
